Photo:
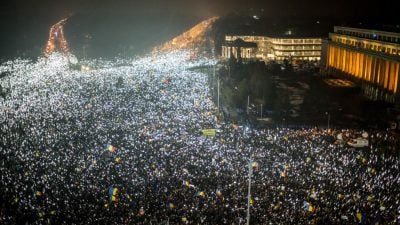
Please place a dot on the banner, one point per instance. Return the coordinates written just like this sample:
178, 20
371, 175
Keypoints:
209, 132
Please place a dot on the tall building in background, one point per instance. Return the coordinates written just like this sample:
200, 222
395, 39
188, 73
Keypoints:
277, 48
370, 56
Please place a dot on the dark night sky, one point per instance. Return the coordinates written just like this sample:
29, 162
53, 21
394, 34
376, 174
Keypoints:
26, 22
206, 8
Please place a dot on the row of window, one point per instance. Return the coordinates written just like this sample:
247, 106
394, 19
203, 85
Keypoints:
371, 35
369, 45
293, 54
297, 47
261, 39
301, 58
296, 41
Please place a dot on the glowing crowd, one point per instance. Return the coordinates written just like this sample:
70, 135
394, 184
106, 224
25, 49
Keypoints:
120, 142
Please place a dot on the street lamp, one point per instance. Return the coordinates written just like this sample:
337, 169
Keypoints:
329, 118
249, 191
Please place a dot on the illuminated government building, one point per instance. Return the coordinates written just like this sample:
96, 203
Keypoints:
268, 48
369, 56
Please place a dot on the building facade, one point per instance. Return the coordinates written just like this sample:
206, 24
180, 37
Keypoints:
370, 56
279, 48
239, 49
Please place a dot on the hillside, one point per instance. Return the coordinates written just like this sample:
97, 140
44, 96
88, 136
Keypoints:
196, 38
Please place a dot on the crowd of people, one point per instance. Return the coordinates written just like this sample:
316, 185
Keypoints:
121, 142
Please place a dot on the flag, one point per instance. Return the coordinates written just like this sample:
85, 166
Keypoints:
112, 193
209, 132
340, 196
111, 148
307, 206
219, 193
361, 217
200, 193
382, 207
188, 184
255, 166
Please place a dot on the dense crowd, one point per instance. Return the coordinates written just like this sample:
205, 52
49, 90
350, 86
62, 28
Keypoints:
120, 142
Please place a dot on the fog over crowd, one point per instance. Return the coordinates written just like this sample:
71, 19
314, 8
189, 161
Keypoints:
121, 142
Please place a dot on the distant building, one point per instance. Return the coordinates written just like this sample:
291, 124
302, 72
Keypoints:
279, 48
239, 49
370, 56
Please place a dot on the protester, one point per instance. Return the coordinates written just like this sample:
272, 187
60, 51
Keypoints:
120, 142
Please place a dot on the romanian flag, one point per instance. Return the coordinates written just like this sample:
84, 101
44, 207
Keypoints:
112, 193
361, 217
111, 148
307, 206
200, 193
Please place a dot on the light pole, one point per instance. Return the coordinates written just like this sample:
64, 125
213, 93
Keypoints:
218, 95
261, 111
329, 118
248, 104
249, 190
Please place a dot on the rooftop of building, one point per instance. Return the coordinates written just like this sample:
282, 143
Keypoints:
240, 43
373, 26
